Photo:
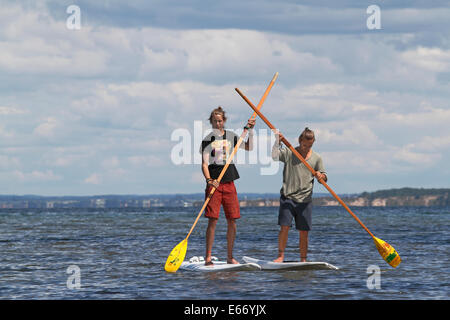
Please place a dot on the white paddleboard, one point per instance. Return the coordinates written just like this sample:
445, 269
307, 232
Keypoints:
270, 265
198, 264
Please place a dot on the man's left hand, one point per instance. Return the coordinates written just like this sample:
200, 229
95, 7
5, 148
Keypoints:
321, 176
251, 123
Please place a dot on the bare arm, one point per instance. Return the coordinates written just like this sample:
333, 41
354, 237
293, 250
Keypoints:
249, 143
276, 146
205, 170
320, 171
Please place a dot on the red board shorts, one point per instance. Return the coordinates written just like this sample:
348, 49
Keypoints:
226, 196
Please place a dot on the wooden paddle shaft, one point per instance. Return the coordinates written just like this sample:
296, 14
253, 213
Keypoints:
299, 156
236, 147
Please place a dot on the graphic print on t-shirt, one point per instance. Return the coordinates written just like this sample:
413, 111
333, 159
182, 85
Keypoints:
220, 151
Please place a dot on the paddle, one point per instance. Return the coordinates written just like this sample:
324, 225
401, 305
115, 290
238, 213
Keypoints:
176, 256
386, 251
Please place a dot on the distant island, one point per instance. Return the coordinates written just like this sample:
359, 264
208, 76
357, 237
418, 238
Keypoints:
381, 198
404, 197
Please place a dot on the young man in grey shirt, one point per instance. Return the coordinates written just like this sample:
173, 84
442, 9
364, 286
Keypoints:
296, 191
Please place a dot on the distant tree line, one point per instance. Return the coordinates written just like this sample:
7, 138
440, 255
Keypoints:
404, 192
390, 197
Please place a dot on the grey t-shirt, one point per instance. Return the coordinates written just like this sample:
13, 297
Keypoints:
298, 181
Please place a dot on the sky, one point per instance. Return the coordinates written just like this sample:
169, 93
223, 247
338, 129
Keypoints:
118, 103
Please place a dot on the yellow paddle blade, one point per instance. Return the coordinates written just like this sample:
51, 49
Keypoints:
387, 252
176, 257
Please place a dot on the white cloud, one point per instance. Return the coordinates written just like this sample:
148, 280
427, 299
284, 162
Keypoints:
108, 98
431, 59
231, 52
37, 176
108, 176
356, 162
46, 46
426, 151
111, 166
144, 105
4, 111
432, 119
47, 128
417, 158
147, 160
355, 135
63, 161
93, 179
432, 144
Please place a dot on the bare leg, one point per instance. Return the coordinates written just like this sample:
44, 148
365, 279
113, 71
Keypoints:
231, 236
210, 231
282, 241
303, 245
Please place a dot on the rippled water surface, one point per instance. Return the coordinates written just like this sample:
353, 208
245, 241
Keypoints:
121, 254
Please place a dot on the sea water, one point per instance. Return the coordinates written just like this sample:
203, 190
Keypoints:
120, 254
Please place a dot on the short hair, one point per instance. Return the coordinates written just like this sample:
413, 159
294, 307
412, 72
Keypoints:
217, 111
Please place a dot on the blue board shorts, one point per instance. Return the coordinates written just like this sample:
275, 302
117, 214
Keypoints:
301, 212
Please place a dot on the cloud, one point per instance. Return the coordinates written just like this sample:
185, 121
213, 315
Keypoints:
427, 151
356, 162
36, 176
102, 102
417, 158
435, 119
6, 134
110, 163
4, 111
7, 163
148, 53
355, 136
431, 59
47, 47
146, 161
93, 179
432, 144
287, 17
197, 177
47, 128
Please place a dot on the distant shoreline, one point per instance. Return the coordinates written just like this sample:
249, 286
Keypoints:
381, 198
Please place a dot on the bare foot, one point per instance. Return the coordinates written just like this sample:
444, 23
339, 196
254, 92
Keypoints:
279, 259
209, 263
232, 261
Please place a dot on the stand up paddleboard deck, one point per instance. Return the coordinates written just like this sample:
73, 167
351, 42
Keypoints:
270, 265
198, 264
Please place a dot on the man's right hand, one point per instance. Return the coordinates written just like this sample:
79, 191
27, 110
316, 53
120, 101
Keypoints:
278, 135
213, 183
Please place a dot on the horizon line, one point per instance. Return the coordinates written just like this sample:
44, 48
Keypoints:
202, 193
